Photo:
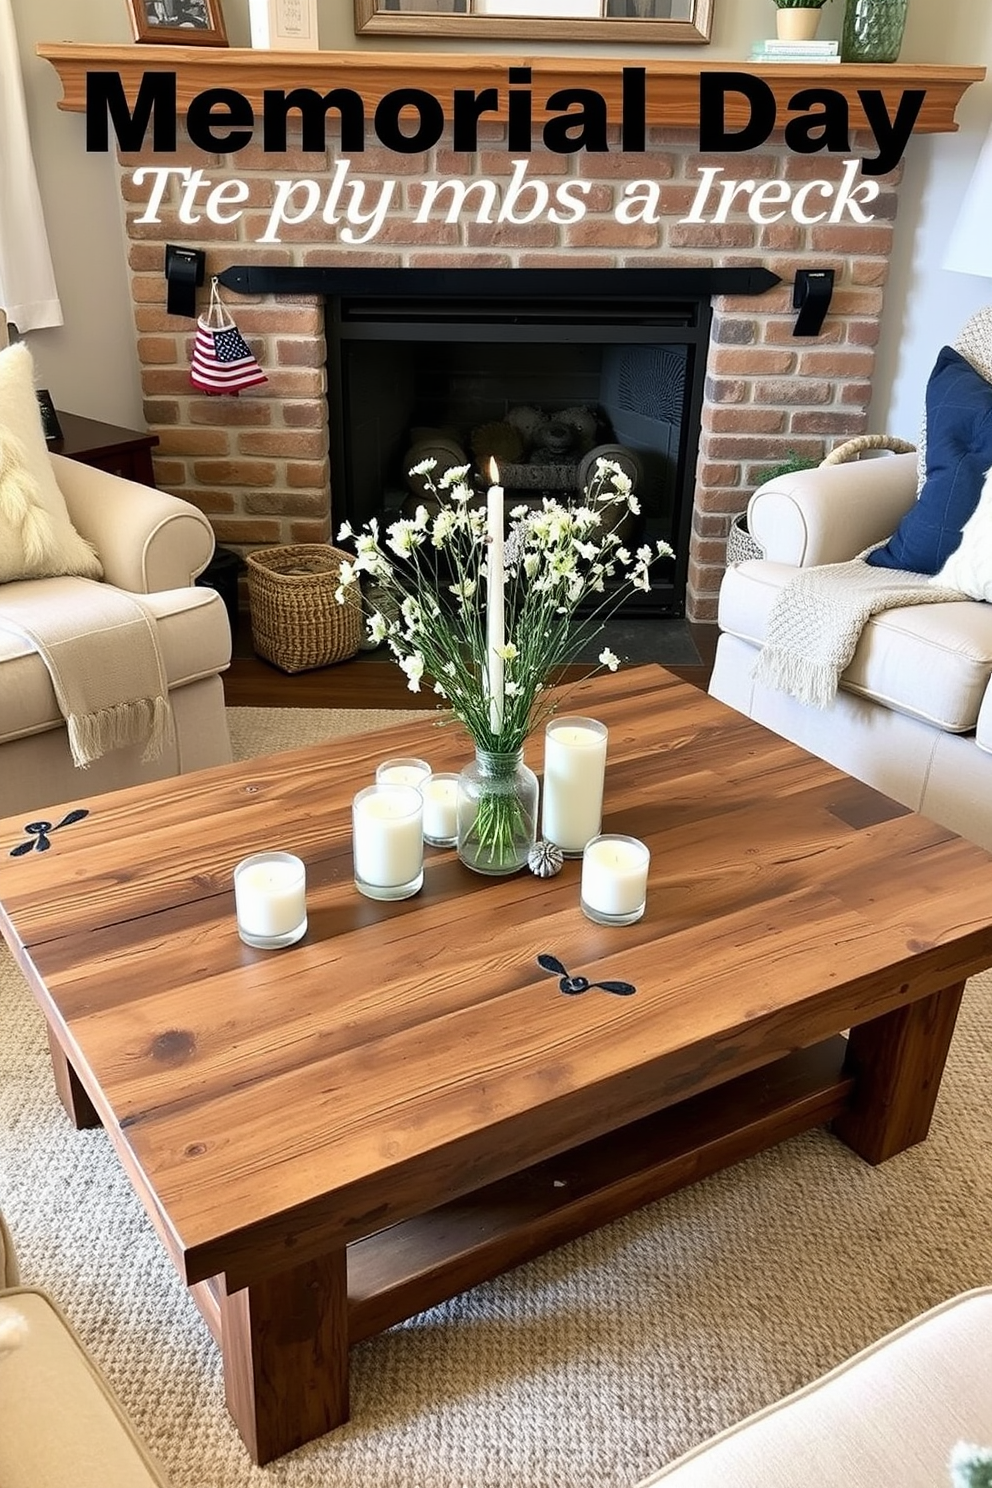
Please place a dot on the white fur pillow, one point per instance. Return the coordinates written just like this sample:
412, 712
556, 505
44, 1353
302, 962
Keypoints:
969, 568
37, 539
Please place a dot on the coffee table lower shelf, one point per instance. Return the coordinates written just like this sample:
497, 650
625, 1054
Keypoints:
422, 1261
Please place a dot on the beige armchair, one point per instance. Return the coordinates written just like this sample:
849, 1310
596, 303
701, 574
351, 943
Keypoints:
891, 1414
59, 1420
913, 716
151, 544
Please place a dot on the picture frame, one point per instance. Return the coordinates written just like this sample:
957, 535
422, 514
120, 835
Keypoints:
178, 22
649, 22
283, 25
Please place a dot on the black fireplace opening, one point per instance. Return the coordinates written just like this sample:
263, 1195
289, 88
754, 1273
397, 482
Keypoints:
544, 368
546, 380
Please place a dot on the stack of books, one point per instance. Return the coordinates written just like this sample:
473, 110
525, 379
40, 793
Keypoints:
795, 51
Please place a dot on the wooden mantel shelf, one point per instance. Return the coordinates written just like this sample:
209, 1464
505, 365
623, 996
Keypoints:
672, 86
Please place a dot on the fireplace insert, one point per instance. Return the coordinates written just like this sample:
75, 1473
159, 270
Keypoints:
543, 382
543, 370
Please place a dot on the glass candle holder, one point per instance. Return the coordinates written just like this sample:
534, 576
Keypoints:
388, 840
270, 899
614, 879
440, 795
403, 772
574, 775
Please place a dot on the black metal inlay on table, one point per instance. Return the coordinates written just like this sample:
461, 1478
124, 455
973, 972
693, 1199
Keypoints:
38, 832
572, 986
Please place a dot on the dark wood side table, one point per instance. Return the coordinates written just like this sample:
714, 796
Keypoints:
125, 452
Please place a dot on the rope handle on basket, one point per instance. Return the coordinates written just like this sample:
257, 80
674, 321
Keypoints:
217, 318
851, 448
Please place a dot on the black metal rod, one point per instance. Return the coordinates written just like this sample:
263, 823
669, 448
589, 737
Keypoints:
629, 284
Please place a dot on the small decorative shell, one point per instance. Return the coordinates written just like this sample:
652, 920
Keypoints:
544, 859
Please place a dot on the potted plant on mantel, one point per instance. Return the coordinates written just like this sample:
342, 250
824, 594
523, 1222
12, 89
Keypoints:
798, 20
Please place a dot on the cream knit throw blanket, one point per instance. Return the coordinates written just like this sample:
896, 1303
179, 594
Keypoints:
101, 651
816, 622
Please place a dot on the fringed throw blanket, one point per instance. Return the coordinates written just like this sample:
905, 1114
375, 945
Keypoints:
817, 619
101, 651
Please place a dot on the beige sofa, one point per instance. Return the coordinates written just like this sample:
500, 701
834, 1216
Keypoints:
60, 1422
151, 544
914, 714
890, 1415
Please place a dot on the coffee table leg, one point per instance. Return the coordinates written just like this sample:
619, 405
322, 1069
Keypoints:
78, 1106
285, 1346
897, 1061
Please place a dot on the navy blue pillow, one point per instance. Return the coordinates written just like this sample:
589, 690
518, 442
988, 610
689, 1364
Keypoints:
959, 452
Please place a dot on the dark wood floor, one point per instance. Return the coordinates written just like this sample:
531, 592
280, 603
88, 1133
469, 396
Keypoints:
366, 683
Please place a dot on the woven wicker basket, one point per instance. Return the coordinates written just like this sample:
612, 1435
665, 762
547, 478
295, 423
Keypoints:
853, 449
296, 622
740, 544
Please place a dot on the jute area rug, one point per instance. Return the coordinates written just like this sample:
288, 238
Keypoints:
591, 1366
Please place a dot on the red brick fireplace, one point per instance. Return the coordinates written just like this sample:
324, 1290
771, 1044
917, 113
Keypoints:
258, 464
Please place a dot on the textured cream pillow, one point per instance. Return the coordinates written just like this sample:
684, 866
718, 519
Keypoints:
37, 539
969, 568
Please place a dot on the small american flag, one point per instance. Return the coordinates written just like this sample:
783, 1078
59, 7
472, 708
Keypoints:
222, 360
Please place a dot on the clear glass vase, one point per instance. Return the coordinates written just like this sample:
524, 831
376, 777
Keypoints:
497, 812
873, 30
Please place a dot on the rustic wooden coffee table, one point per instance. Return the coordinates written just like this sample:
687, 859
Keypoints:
332, 1137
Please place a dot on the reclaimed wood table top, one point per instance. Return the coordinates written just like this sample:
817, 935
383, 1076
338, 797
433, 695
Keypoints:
273, 1104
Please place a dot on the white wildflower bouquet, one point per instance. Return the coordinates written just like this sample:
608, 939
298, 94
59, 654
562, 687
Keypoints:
436, 571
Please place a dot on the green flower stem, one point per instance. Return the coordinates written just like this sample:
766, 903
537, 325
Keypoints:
500, 823
504, 795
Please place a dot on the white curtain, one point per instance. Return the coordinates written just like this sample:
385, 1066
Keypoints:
28, 293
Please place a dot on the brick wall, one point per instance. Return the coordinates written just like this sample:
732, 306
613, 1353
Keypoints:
257, 465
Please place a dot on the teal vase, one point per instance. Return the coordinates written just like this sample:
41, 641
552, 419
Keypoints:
873, 30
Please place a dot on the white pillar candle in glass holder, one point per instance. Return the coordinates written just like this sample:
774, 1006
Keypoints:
403, 772
388, 840
614, 879
440, 795
270, 899
574, 772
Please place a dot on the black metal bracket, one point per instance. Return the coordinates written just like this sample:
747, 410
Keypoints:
811, 295
184, 270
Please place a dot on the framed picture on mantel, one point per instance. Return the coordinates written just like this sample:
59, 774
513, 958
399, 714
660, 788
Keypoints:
639, 21
178, 22
283, 25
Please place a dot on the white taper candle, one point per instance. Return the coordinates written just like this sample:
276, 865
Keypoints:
495, 618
